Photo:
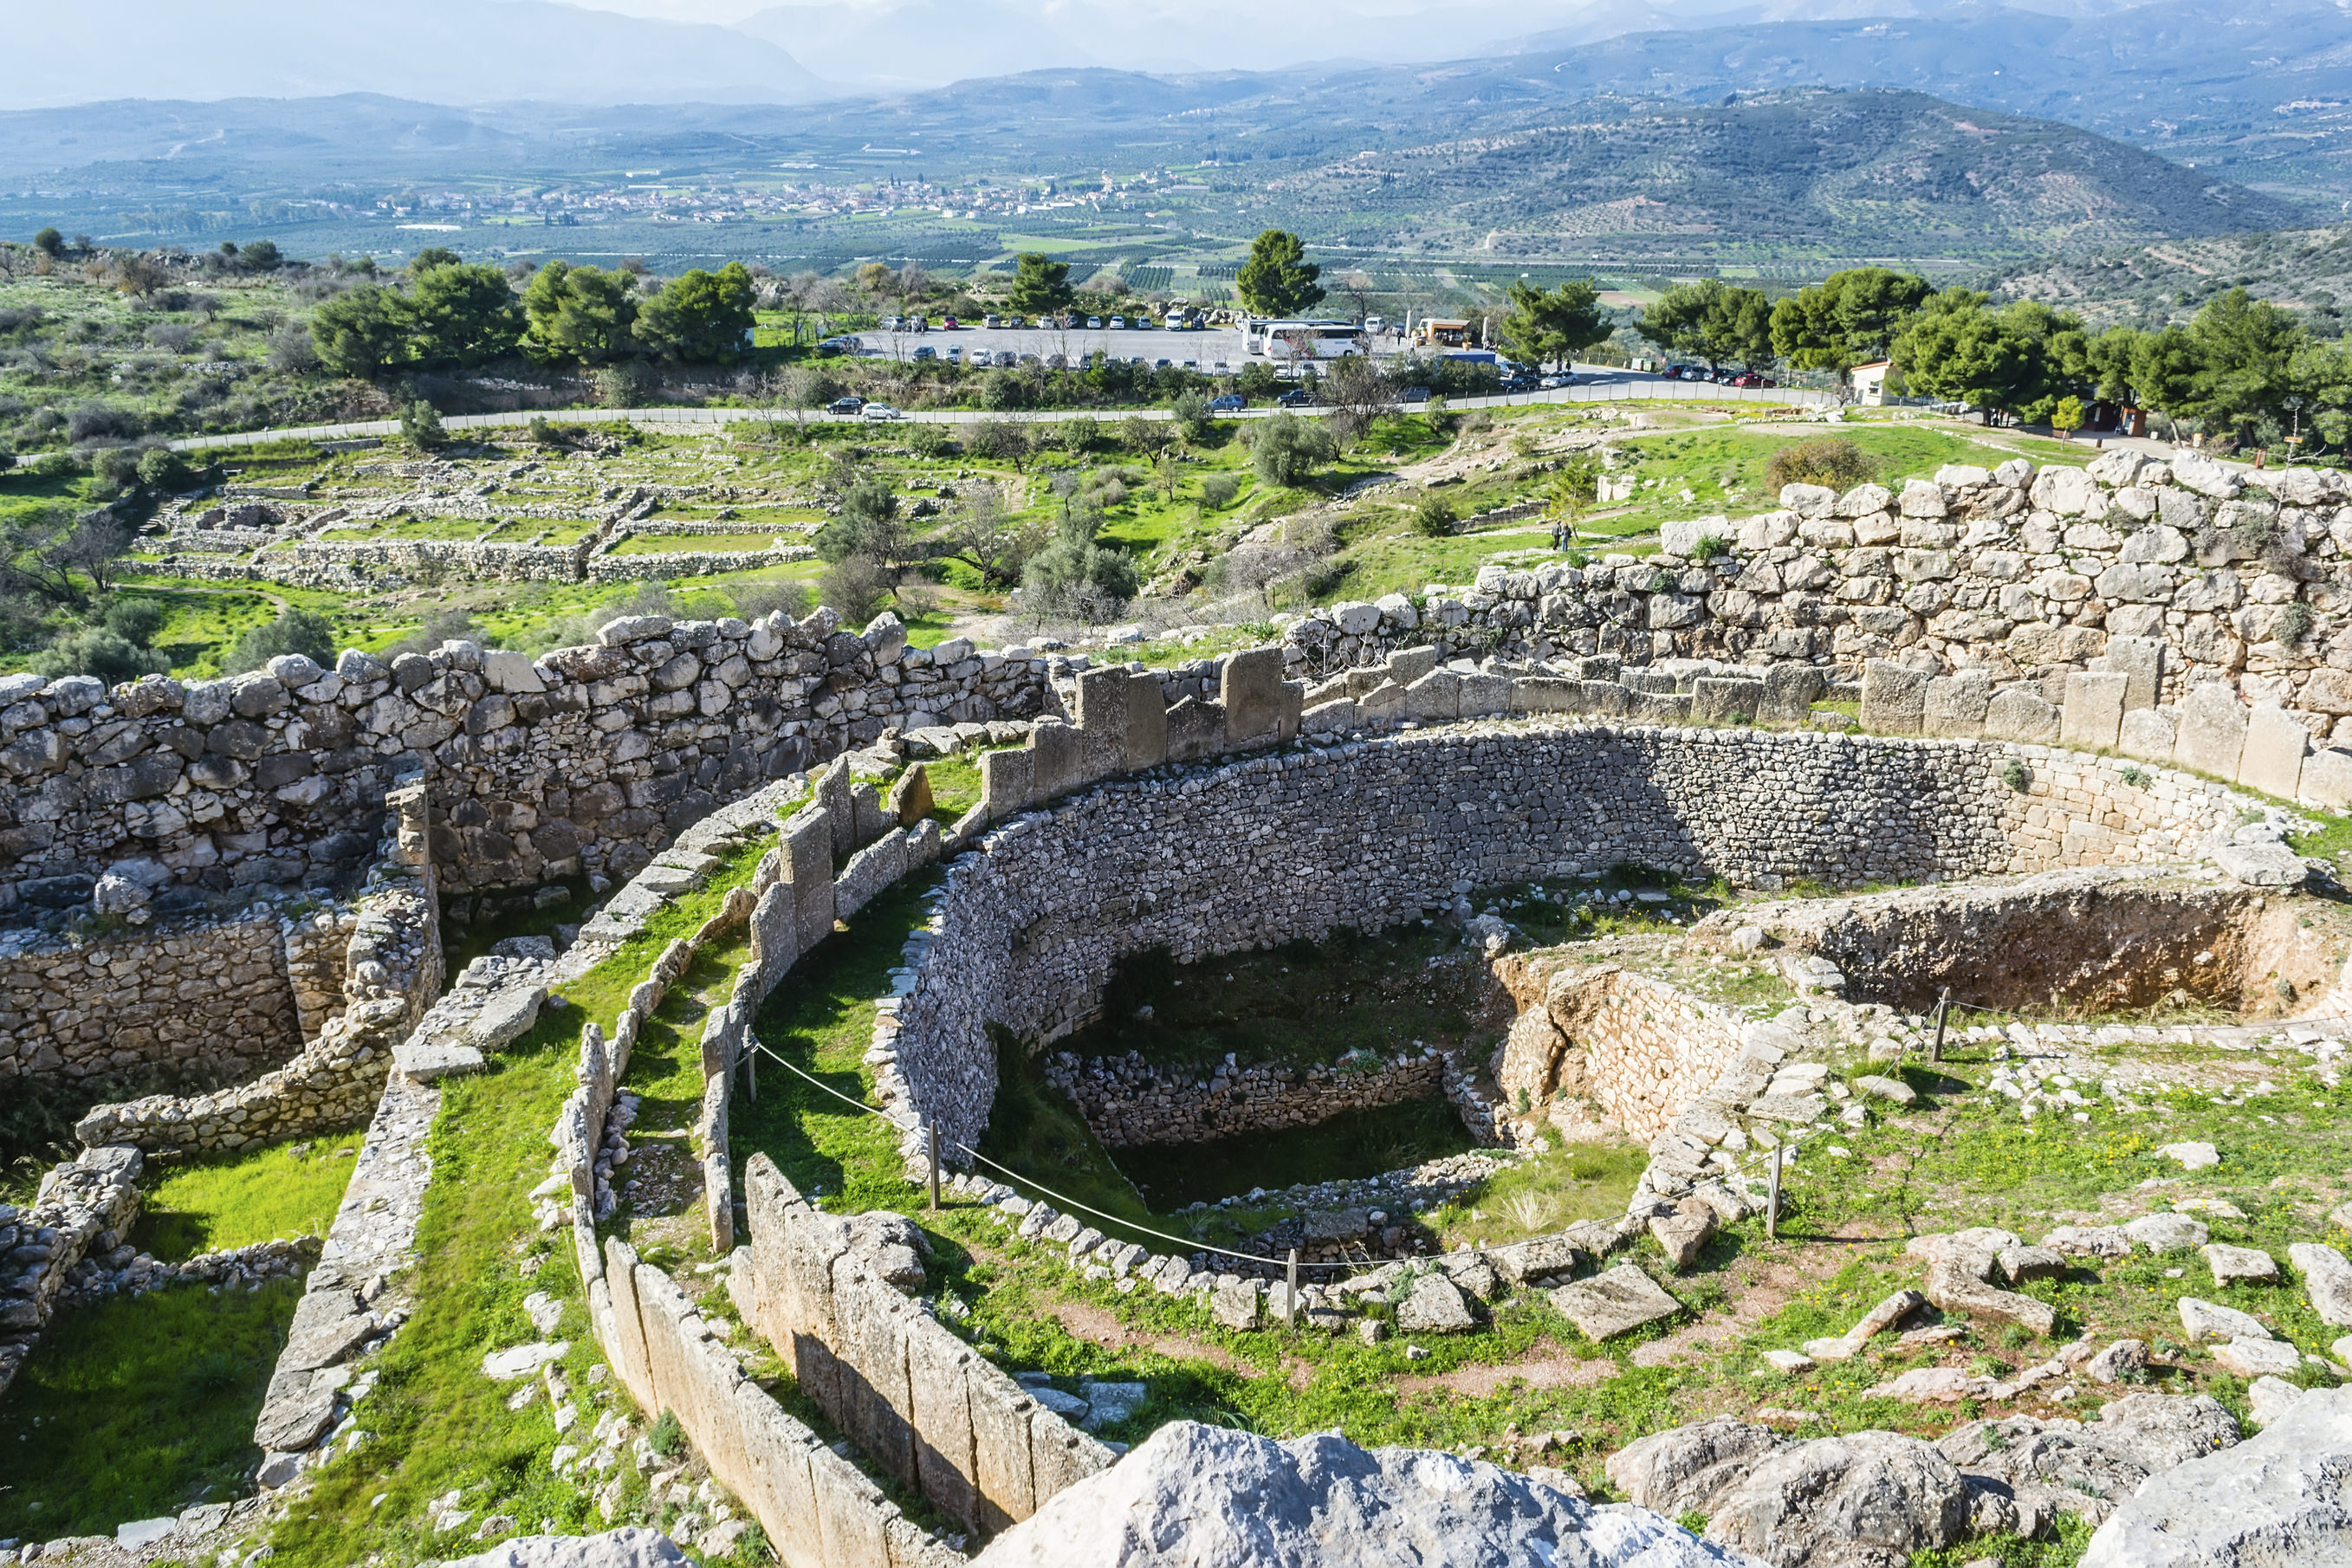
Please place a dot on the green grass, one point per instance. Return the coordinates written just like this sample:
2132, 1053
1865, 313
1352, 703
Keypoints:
138, 1407
685, 543
1539, 1196
218, 1203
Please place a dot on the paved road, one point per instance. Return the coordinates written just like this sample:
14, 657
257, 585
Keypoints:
1604, 386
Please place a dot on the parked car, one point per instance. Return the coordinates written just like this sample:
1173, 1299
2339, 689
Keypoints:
1193, 365
926, 353
1554, 382
950, 324
992, 321
1093, 323
1298, 398
876, 413
1119, 323
1374, 324
845, 407
955, 353
1176, 321
1747, 378
1006, 359
1231, 403
1222, 369
1160, 364
1416, 395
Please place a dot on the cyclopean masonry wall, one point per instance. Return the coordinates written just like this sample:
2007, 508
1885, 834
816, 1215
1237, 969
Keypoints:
392, 974
1024, 933
1128, 1101
1637, 1048
2175, 576
589, 759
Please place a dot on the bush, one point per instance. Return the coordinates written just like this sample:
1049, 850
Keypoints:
294, 631
932, 441
1434, 516
55, 465
2015, 775
162, 468
1193, 415
854, 588
1709, 547
543, 432
100, 651
1286, 450
668, 1435
1219, 490
754, 600
2294, 624
1082, 435
440, 626
420, 425
1831, 460
116, 470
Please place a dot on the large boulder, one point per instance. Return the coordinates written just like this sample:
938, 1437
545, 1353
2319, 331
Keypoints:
2026, 1472
1192, 1494
2280, 1500
1867, 1500
1685, 1468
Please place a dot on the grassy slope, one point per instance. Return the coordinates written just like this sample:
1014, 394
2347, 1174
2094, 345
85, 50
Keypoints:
213, 1205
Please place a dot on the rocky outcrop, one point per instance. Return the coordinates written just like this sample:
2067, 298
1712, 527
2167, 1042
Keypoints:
632, 1548
2281, 1499
1194, 1494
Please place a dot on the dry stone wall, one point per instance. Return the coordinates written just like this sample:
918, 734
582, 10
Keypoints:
2174, 576
1207, 859
1129, 1102
202, 998
1637, 1048
84, 1205
588, 759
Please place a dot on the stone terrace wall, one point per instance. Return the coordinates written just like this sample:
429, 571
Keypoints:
209, 998
1024, 933
2022, 576
588, 759
392, 974
84, 1205
1127, 1101
1638, 1049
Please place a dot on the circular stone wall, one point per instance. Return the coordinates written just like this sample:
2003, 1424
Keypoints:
1292, 844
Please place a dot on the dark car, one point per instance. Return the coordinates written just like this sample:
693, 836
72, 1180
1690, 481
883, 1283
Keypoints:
846, 407
1231, 403
1297, 397
1416, 395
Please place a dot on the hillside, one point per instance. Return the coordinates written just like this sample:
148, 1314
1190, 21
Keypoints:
1896, 173
2167, 280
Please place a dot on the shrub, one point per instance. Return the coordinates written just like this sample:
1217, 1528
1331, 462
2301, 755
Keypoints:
1709, 546
543, 432
668, 1435
1831, 460
2135, 776
932, 441
420, 425
162, 468
294, 631
1218, 490
2016, 776
1434, 516
854, 588
2293, 624
102, 652
1286, 449
117, 468
754, 600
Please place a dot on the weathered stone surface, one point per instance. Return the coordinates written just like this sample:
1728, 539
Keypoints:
2167, 1233
634, 1547
1615, 1302
1681, 1234
1192, 1494
2208, 1323
2327, 1281
2212, 732
1957, 1282
2281, 1499
1866, 1498
2239, 1265
1435, 1306
2252, 1357
1686, 1470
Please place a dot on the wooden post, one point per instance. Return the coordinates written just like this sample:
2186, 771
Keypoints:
1291, 1300
1773, 1200
932, 1128
1942, 1007
752, 1074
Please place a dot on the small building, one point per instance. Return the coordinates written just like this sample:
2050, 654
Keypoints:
1870, 383
1439, 332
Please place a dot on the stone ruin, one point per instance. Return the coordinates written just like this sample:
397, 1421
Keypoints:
1231, 806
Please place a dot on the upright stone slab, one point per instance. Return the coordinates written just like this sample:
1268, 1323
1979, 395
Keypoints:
2140, 661
1058, 759
835, 794
1196, 729
1956, 704
2212, 730
910, 798
1147, 722
2272, 759
1717, 700
1407, 665
1894, 698
2022, 716
1007, 782
1292, 705
2147, 735
1790, 692
1484, 694
946, 1466
1603, 697
808, 872
2327, 779
1251, 690
1435, 698
2094, 714
1103, 696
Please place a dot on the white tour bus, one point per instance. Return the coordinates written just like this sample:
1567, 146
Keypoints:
1307, 339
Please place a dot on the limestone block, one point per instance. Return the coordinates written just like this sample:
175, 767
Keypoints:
1250, 688
1407, 665
1292, 701
1715, 699
1196, 729
1615, 1302
1103, 697
1893, 699
2020, 715
2327, 779
2271, 760
2211, 731
1956, 704
1790, 692
1335, 718
1658, 708
2093, 713
1605, 697
1057, 765
1545, 694
808, 869
1435, 698
945, 1461
2147, 734
1481, 695
999, 1421
1007, 781
2141, 661
836, 794
1147, 722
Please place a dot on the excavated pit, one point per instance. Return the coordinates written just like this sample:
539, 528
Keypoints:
2072, 942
